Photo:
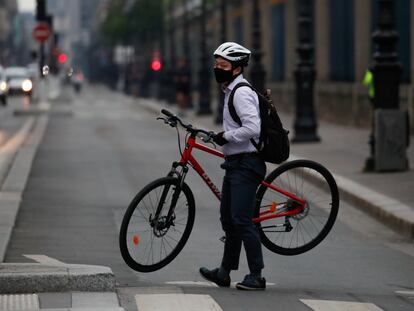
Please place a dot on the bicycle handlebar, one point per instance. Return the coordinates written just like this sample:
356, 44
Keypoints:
167, 113
172, 120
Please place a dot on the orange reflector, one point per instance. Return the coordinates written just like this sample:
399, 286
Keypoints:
273, 207
136, 240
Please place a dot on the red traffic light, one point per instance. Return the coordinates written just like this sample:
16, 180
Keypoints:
156, 65
62, 58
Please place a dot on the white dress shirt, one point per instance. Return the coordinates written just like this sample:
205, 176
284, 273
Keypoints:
246, 104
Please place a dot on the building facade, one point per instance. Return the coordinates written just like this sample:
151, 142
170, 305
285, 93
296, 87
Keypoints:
73, 23
8, 11
343, 49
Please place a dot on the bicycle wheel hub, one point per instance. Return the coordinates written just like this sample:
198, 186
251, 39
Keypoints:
161, 226
302, 214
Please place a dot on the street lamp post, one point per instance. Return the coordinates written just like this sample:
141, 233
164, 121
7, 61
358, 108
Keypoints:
305, 123
187, 49
204, 74
163, 88
257, 73
172, 58
386, 69
223, 38
41, 16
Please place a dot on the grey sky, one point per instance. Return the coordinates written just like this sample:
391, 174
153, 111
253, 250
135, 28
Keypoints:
27, 5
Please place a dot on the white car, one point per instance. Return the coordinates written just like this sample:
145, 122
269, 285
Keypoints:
18, 80
3, 87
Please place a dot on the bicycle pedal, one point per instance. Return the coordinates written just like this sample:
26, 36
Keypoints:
223, 239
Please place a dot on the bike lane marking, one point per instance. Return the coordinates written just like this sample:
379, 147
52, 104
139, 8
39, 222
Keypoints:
176, 302
332, 305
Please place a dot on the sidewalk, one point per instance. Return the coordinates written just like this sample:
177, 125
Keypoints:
45, 284
389, 197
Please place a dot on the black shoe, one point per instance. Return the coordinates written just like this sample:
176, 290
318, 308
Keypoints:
252, 282
211, 275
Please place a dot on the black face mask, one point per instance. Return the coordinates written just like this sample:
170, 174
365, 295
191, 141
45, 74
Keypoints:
223, 76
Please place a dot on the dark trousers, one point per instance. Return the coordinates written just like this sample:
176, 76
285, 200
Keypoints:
237, 210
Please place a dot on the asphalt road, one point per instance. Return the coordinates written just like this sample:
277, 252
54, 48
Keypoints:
90, 165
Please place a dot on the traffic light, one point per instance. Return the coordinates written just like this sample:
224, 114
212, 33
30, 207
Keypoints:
41, 10
156, 65
62, 58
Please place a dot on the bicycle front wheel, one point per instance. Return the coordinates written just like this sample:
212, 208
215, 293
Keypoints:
298, 233
157, 225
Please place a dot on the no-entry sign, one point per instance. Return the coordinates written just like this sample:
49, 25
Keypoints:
41, 32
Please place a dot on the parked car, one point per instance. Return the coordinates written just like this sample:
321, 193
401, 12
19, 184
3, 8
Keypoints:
18, 80
3, 87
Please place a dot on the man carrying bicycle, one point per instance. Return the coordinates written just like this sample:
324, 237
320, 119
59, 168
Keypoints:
244, 171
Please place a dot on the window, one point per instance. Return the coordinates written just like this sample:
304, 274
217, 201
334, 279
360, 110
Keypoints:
341, 40
278, 42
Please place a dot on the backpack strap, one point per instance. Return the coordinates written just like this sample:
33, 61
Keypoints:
236, 118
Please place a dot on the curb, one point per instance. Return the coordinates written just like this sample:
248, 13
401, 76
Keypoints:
30, 278
392, 213
396, 215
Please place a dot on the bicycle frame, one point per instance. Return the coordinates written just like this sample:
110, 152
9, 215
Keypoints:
270, 213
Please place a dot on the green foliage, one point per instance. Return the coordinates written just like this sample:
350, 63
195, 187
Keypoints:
142, 22
115, 26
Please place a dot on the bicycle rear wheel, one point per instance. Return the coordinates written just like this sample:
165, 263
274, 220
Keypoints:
149, 241
296, 234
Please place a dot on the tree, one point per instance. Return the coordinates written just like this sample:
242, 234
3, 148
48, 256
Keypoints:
141, 22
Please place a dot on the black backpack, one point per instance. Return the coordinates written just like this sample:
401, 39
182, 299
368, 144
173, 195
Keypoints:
273, 143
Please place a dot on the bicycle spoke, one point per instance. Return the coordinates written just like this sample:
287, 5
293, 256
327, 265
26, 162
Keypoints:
306, 180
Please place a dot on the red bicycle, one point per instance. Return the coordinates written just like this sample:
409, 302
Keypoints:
297, 205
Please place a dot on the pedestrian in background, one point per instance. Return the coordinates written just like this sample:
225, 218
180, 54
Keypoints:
244, 170
182, 86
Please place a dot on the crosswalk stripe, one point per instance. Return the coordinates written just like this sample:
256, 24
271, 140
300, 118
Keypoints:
205, 284
192, 283
176, 302
19, 302
331, 305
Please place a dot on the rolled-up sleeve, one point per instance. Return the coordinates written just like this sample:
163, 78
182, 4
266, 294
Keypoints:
246, 104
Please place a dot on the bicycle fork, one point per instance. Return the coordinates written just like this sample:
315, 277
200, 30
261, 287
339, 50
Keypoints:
161, 224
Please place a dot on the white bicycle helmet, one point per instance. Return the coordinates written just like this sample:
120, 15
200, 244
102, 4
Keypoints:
233, 52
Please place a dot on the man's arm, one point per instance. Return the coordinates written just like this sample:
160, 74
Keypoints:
246, 104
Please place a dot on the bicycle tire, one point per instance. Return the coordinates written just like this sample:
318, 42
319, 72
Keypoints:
317, 176
129, 253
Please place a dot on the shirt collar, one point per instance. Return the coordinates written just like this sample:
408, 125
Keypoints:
236, 81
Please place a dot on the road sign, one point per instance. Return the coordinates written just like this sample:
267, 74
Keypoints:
41, 32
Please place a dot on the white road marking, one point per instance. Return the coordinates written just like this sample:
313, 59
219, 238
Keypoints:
176, 302
46, 260
405, 293
192, 283
332, 305
205, 284
19, 302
